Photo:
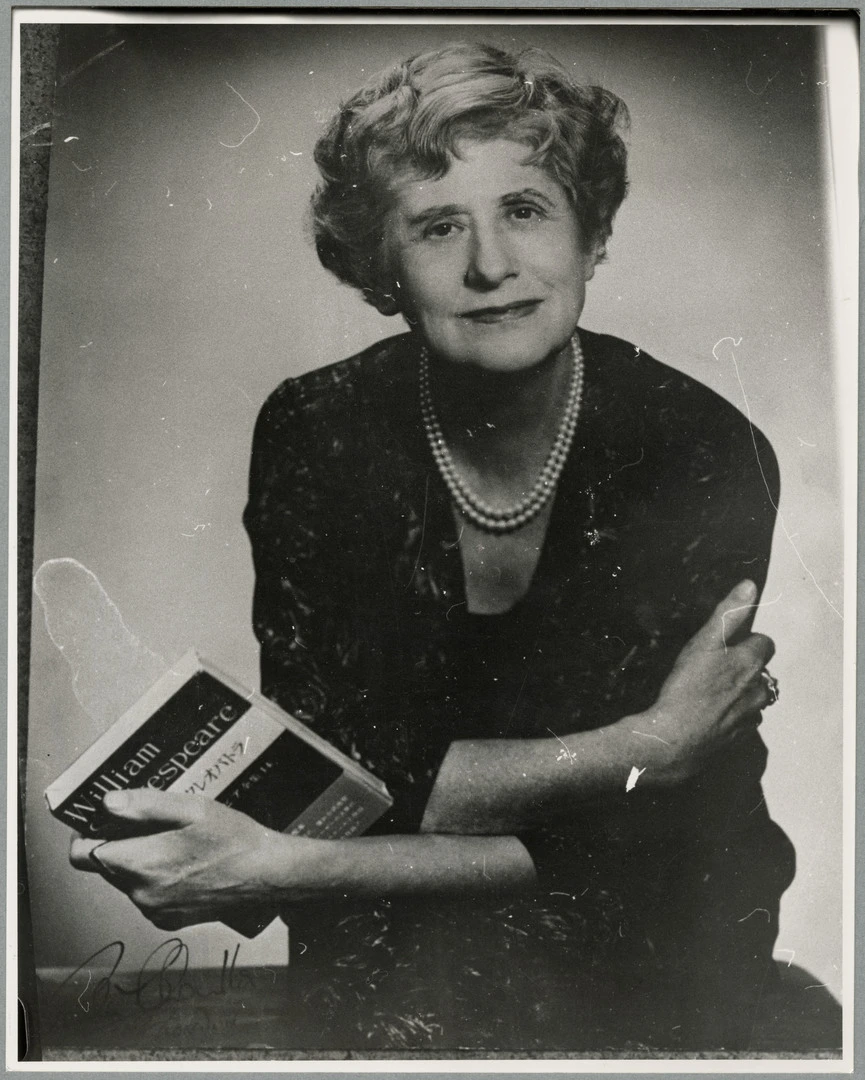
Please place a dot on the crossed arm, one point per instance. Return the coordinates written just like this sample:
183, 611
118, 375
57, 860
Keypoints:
202, 859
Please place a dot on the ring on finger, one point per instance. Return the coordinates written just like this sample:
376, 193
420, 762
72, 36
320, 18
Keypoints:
771, 684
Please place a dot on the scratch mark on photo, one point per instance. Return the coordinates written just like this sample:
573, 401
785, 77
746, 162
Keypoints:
422, 534
98, 56
567, 753
631, 464
648, 735
743, 607
252, 130
736, 343
765, 911
85, 1005
769, 79
35, 130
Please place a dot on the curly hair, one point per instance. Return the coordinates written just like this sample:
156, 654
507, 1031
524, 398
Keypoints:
411, 118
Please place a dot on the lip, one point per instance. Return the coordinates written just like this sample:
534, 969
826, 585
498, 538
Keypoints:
519, 309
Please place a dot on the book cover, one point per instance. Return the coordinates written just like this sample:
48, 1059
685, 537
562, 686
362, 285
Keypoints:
198, 731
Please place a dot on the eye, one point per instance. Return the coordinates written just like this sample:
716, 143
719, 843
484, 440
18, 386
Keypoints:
441, 230
526, 212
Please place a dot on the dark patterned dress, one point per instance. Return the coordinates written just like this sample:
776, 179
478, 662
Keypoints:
656, 911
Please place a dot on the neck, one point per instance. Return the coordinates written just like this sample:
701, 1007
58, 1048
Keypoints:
501, 426
501, 476
495, 406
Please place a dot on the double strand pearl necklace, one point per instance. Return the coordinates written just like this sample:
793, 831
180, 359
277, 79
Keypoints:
470, 505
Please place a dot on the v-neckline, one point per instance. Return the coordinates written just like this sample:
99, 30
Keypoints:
467, 559
430, 557
552, 534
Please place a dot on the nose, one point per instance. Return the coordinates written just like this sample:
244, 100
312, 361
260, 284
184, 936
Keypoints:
491, 259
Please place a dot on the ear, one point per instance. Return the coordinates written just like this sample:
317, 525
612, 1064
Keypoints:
384, 302
384, 295
595, 254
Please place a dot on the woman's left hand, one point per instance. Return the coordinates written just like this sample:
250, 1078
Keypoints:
199, 861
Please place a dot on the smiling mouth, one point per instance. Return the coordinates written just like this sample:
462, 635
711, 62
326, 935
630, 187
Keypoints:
503, 313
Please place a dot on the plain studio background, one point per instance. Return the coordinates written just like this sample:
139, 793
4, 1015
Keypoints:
181, 287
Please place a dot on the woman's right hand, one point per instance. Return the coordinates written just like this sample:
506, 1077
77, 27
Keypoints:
712, 697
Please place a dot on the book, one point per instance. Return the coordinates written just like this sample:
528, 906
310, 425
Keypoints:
198, 731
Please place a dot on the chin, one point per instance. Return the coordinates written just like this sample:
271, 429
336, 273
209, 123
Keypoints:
504, 364
517, 354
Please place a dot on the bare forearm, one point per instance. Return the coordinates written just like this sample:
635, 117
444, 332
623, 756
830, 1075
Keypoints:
501, 786
398, 865
710, 699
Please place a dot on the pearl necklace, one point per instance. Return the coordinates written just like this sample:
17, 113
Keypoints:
469, 504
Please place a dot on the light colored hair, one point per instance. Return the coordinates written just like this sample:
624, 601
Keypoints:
411, 118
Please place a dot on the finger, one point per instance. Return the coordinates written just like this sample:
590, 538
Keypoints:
100, 857
176, 921
162, 919
756, 697
159, 808
761, 647
729, 617
166, 922
747, 725
80, 854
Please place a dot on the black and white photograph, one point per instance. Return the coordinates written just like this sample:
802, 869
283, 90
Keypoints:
437, 471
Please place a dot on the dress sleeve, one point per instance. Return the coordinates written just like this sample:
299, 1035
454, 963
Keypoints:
707, 524
330, 648
296, 582
738, 515
290, 673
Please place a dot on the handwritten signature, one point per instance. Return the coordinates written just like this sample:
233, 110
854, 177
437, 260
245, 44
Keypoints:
162, 979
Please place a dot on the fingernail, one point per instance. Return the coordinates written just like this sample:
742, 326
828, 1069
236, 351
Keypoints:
745, 591
116, 800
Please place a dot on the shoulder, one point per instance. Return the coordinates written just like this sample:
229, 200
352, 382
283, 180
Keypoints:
675, 415
678, 399
314, 450
375, 374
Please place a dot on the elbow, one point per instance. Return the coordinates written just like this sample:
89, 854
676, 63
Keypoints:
465, 817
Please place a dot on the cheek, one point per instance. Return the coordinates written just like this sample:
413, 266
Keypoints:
552, 255
424, 289
573, 271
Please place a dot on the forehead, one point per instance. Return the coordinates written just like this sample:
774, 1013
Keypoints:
481, 172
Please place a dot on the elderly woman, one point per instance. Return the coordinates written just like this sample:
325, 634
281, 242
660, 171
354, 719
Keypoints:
510, 566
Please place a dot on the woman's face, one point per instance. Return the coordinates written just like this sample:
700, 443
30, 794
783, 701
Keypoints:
489, 259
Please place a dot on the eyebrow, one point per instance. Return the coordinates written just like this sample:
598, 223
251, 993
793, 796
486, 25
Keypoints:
425, 216
432, 212
529, 192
